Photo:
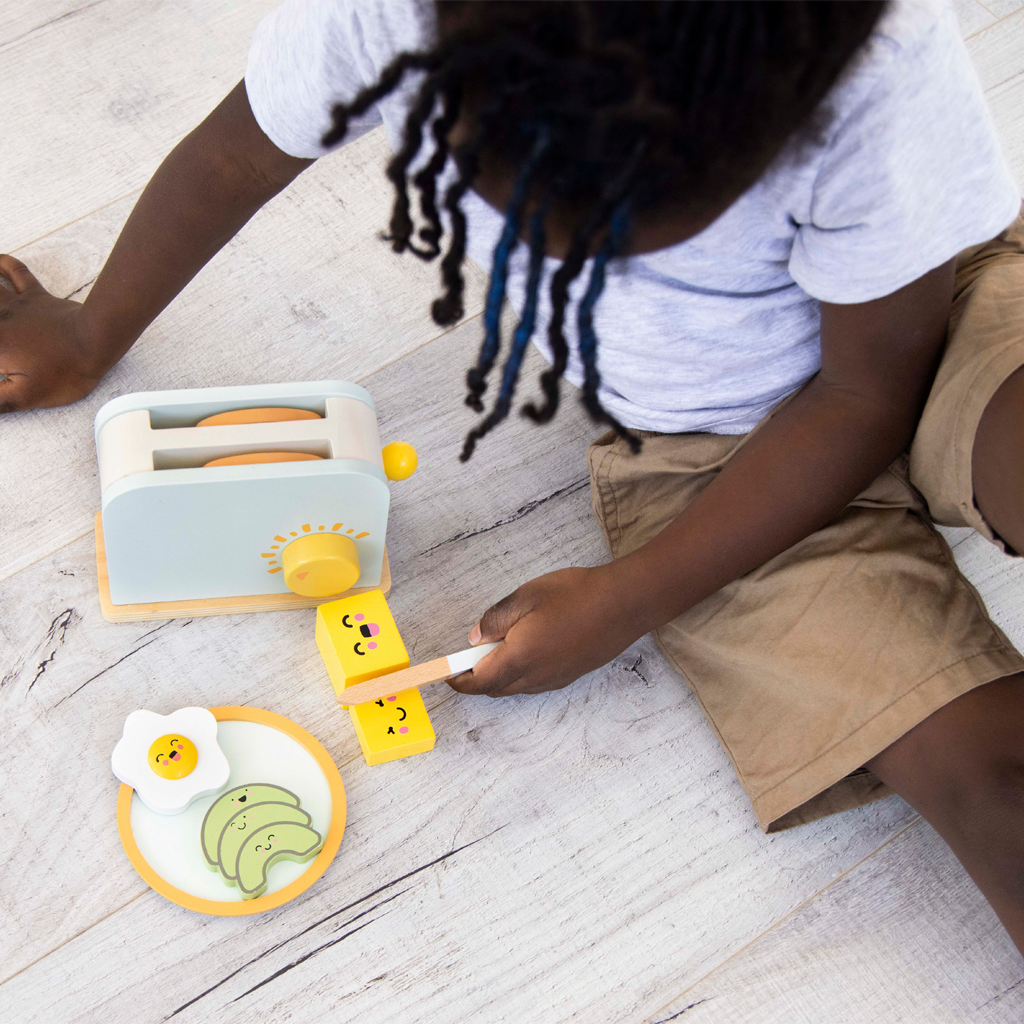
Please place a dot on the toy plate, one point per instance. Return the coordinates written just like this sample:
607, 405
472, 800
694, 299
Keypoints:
260, 747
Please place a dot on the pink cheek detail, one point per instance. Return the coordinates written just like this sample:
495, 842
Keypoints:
359, 618
404, 729
392, 698
372, 646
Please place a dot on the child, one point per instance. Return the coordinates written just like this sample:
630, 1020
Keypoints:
769, 201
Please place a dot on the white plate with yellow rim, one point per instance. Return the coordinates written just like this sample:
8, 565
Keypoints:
261, 747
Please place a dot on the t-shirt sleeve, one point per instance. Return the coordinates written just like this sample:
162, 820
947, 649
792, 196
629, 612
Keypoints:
913, 175
308, 55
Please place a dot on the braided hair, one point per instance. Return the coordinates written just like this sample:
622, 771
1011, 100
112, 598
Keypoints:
606, 115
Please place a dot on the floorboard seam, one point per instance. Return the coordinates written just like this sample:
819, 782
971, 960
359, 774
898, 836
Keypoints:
71, 938
785, 917
75, 220
48, 554
47, 24
329, 917
1000, 84
437, 337
1005, 84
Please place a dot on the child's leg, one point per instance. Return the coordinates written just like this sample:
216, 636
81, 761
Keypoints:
998, 462
962, 769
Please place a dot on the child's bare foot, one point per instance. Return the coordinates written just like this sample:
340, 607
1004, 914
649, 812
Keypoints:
45, 359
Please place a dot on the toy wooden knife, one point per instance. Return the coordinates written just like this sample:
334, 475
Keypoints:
416, 675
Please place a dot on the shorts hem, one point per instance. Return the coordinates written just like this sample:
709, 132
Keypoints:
987, 381
882, 730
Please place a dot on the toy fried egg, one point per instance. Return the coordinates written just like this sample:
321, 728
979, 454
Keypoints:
170, 760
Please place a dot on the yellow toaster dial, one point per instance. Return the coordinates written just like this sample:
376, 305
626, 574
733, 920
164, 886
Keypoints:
358, 639
320, 564
393, 727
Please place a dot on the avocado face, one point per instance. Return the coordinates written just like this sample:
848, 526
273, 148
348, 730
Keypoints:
267, 844
242, 825
230, 803
249, 828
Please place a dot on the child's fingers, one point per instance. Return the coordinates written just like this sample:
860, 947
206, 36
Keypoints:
492, 676
472, 685
499, 619
21, 278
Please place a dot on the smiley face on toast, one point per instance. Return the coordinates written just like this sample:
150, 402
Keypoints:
358, 639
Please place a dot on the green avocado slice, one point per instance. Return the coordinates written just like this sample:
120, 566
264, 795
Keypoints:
245, 822
272, 842
229, 804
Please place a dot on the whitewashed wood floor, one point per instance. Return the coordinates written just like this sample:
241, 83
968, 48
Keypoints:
585, 855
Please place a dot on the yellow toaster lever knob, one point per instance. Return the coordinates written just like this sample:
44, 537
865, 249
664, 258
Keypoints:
320, 565
400, 460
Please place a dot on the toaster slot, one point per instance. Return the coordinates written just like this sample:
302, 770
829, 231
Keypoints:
224, 413
202, 455
157, 431
256, 458
264, 414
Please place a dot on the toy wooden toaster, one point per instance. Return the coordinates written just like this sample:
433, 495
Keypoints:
220, 500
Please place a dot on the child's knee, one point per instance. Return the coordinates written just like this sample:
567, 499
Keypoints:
985, 802
1006, 781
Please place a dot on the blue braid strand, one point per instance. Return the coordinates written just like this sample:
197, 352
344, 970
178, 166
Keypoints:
524, 331
499, 277
595, 286
520, 338
585, 325
499, 274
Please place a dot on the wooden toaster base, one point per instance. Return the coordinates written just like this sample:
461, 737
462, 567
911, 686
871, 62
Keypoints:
209, 605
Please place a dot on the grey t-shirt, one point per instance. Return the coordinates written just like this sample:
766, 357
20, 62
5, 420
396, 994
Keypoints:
709, 334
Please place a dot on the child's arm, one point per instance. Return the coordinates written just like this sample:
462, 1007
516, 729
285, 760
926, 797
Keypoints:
54, 351
794, 476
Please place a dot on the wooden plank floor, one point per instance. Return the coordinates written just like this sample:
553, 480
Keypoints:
585, 855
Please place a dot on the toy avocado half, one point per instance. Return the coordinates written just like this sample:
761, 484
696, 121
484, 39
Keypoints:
249, 828
280, 840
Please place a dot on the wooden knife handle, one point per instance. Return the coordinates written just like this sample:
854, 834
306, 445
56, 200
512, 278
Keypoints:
383, 686
416, 675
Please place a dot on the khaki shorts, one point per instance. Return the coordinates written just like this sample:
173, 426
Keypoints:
831, 651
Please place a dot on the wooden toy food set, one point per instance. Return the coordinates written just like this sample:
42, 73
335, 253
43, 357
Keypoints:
238, 791
264, 833
368, 667
221, 500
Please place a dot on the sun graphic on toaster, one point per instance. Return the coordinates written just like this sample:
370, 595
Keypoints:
283, 539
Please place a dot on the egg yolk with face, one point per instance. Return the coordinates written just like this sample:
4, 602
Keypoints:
173, 756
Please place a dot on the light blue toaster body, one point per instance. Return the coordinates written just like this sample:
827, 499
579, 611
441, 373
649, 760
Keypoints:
175, 531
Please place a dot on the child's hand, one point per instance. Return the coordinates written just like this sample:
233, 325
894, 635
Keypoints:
44, 358
556, 628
